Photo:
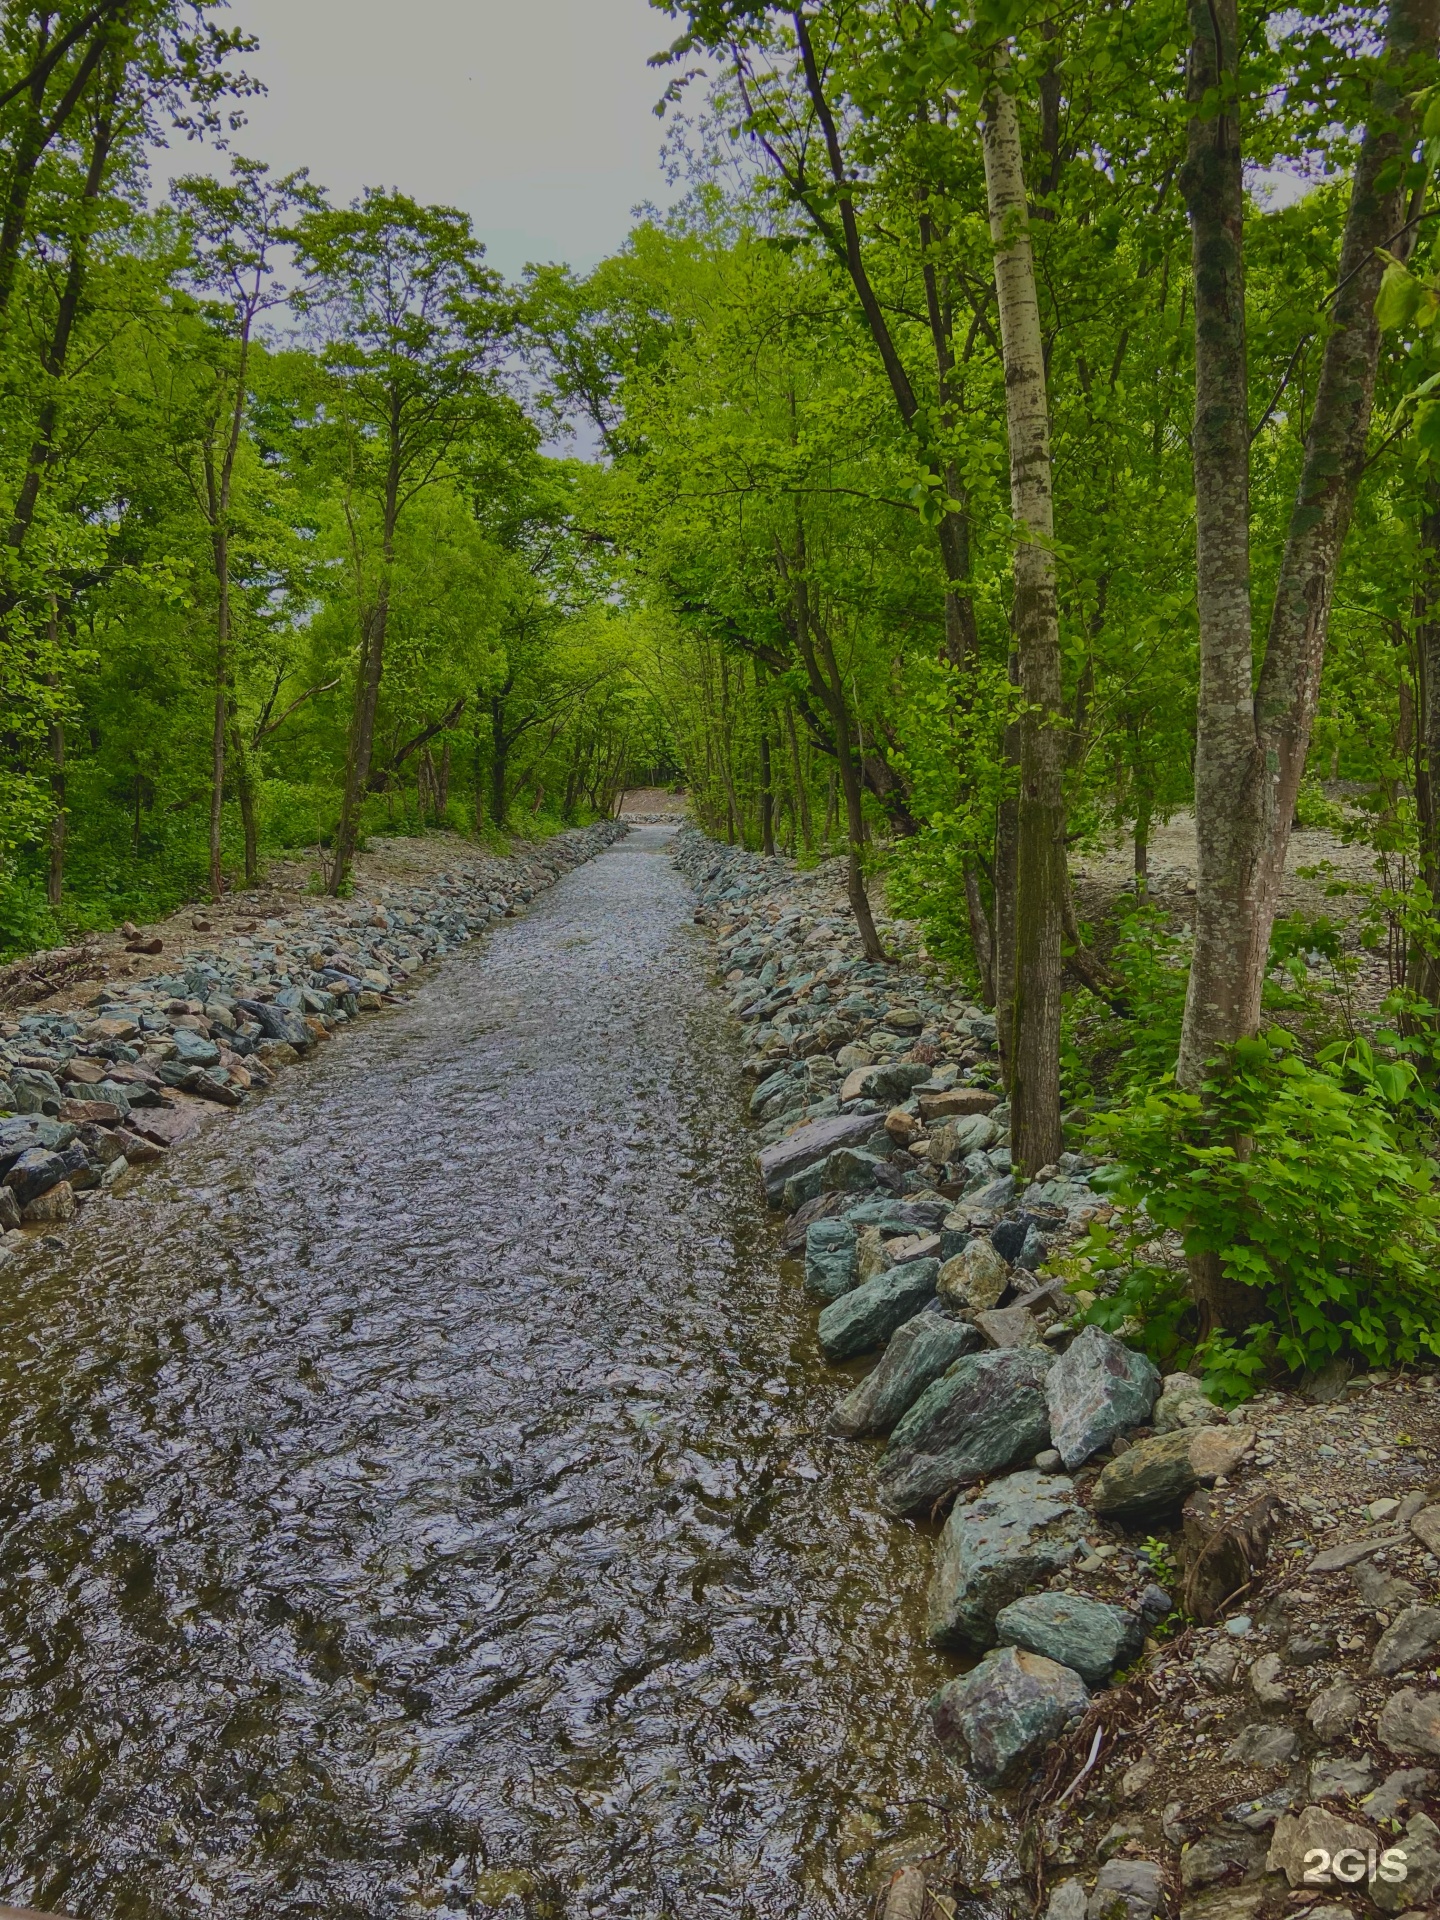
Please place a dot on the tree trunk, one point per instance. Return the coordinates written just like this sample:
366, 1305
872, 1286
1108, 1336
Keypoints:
245, 789
802, 799
371, 671
221, 545
1425, 966
767, 798
1033, 1015
1252, 739
982, 937
499, 771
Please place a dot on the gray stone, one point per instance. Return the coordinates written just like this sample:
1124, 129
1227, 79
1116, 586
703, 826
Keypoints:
1003, 1714
986, 1413
1333, 1711
975, 1278
1421, 1848
1257, 1815
992, 1549
1261, 1745
1299, 1835
1097, 1389
1089, 1635
919, 1352
194, 1049
830, 1259
1412, 1637
851, 1170
1332, 1559
1183, 1403
1127, 1890
33, 1172
1266, 1684
1343, 1779
1396, 1791
1215, 1855
1067, 1901
1009, 1327
9, 1210
1148, 1479
866, 1316
1410, 1723
1216, 1665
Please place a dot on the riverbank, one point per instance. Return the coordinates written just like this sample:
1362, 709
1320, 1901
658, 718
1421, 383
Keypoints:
1193, 1647
111, 1068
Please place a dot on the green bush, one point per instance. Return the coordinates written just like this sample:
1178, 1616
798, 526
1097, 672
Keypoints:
1308, 1182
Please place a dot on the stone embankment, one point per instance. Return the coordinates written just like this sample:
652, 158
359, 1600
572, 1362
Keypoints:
1200, 1649
114, 1074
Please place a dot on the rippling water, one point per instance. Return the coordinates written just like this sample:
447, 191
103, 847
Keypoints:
412, 1500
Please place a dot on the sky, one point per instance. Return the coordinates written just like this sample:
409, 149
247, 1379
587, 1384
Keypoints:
534, 116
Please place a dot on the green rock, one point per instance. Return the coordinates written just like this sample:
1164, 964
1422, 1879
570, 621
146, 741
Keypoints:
986, 1413
1089, 1635
1004, 1713
1148, 1478
996, 1547
919, 1353
850, 1170
866, 1316
830, 1268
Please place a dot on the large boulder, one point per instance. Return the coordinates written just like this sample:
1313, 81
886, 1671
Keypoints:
923, 1349
992, 1549
33, 1172
974, 1279
1147, 1479
806, 1146
986, 1413
28, 1130
278, 1023
1089, 1635
1095, 1390
830, 1258
885, 1083
867, 1315
1004, 1713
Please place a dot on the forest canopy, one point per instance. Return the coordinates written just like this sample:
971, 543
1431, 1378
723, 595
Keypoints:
1021, 433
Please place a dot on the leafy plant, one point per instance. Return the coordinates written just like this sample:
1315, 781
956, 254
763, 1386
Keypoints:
1303, 1179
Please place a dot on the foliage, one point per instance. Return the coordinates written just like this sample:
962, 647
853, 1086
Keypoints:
1298, 1177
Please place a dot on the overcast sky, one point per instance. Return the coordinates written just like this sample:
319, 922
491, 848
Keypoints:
535, 116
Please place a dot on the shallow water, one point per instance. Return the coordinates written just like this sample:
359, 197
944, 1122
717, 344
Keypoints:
413, 1496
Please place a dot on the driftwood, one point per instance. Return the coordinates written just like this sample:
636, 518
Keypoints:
1222, 1563
38, 975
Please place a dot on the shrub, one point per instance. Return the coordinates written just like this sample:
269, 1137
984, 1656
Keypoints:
1307, 1182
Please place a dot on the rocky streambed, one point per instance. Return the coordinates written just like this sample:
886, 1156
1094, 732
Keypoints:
412, 1495
1199, 1652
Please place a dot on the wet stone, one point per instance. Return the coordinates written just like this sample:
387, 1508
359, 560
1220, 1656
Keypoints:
1004, 1713
919, 1353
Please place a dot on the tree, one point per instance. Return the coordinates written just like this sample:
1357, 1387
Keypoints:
235, 230
409, 323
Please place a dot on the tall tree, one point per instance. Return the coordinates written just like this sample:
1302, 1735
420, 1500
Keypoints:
236, 228
409, 322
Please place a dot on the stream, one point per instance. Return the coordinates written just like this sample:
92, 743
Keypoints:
413, 1498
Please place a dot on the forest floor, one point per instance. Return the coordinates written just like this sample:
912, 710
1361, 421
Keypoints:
1324, 879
